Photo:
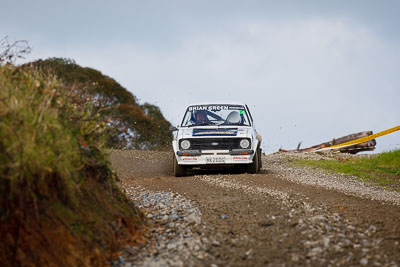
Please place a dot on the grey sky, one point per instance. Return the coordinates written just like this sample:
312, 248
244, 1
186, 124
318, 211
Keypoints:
310, 70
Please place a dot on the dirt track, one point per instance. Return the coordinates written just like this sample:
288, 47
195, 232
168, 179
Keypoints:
264, 219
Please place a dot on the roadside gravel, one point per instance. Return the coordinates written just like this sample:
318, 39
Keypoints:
279, 165
175, 223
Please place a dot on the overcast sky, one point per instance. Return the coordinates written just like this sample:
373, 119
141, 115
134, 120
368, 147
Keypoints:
309, 70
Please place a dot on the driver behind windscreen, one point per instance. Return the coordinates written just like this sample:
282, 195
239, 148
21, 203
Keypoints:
201, 117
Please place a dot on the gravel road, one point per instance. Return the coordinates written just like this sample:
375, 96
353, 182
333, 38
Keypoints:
283, 216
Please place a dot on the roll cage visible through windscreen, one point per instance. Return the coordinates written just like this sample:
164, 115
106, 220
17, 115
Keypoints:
203, 115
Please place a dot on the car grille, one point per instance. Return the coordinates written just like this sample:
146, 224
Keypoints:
214, 143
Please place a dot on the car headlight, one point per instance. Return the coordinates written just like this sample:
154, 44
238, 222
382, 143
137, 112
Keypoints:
185, 144
244, 143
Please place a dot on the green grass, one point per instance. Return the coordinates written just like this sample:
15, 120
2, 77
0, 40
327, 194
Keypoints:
54, 172
52, 145
382, 170
48, 135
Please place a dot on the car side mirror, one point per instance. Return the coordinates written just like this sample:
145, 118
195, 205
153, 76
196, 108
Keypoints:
173, 128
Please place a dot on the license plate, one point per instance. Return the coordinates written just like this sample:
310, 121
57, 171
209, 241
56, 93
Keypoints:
215, 160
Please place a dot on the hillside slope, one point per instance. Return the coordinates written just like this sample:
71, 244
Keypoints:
59, 202
133, 125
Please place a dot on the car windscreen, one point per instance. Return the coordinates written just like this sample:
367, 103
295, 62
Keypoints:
204, 115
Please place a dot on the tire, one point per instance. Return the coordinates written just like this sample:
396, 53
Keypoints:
259, 159
179, 170
254, 167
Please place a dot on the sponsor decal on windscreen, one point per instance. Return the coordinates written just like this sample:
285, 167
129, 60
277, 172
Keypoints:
215, 107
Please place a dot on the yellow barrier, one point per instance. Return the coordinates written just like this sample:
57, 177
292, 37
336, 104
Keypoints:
363, 139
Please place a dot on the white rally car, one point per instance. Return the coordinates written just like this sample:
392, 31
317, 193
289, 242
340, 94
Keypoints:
215, 135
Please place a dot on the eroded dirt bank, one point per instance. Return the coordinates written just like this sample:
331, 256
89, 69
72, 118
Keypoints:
282, 216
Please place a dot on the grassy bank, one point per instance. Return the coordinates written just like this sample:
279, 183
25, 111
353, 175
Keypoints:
59, 203
382, 169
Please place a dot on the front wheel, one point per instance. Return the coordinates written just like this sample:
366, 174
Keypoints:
179, 170
254, 167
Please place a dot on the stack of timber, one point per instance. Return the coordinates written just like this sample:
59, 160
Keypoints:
365, 146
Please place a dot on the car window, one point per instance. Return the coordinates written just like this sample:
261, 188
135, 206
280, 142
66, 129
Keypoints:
204, 115
251, 117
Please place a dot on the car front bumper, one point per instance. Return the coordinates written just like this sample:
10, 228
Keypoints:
215, 157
